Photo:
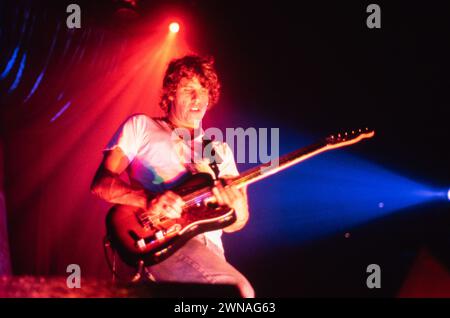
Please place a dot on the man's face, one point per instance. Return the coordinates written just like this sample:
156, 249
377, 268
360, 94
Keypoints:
190, 104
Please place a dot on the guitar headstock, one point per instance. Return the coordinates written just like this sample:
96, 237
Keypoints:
349, 137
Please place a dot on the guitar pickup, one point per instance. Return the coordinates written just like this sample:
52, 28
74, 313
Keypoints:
141, 244
159, 235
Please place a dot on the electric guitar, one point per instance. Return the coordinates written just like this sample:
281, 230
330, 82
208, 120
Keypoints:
140, 237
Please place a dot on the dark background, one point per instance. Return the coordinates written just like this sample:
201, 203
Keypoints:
314, 69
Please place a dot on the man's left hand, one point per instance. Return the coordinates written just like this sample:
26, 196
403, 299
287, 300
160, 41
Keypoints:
227, 194
230, 195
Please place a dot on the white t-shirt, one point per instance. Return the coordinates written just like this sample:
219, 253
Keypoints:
159, 159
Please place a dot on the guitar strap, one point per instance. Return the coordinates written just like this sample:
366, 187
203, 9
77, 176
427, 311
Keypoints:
214, 158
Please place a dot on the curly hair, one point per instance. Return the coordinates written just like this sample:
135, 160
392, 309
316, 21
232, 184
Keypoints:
188, 67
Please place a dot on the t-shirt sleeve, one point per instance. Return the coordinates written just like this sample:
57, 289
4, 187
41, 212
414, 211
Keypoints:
129, 137
228, 165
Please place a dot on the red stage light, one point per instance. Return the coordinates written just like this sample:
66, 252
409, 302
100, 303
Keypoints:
174, 27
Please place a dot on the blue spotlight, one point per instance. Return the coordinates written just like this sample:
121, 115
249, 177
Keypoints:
448, 194
330, 193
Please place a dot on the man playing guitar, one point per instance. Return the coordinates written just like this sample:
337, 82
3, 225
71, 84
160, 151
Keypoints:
144, 147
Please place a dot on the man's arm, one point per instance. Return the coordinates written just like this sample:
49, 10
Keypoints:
108, 186
230, 195
242, 213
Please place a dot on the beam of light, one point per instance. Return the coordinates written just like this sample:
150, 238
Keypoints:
10, 63
19, 73
72, 144
61, 111
327, 194
448, 194
174, 27
41, 75
35, 86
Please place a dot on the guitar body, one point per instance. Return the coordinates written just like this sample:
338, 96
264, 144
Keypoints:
137, 236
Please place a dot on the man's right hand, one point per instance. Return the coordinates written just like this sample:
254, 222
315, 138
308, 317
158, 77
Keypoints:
108, 186
168, 204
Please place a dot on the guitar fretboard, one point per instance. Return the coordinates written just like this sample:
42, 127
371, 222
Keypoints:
266, 169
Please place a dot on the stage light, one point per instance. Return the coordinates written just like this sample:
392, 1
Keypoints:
448, 194
174, 27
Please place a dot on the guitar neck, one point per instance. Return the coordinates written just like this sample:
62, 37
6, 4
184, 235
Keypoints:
267, 169
284, 162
